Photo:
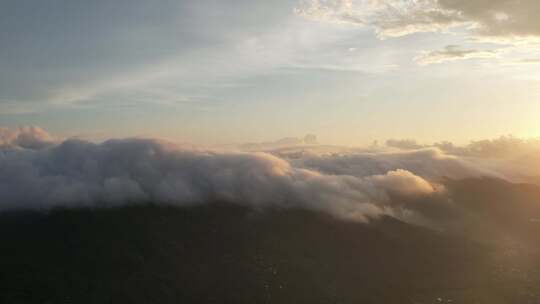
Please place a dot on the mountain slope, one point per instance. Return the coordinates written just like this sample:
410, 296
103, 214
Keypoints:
229, 254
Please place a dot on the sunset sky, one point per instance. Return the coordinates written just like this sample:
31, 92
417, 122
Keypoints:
216, 72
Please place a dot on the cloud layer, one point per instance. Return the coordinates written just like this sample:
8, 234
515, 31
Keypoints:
403, 180
77, 173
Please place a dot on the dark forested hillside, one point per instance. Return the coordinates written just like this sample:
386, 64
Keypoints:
227, 254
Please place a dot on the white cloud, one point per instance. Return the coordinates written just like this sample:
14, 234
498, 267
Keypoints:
429, 163
76, 173
497, 22
287, 142
39, 172
501, 18
410, 144
26, 138
527, 61
512, 158
452, 53
390, 18
403, 183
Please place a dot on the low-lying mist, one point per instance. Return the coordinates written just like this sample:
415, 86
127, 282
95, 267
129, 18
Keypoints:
40, 172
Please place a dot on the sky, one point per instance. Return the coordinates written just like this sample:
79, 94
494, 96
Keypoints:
218, 72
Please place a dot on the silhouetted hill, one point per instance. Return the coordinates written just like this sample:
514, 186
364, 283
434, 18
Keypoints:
492, 208
229, 254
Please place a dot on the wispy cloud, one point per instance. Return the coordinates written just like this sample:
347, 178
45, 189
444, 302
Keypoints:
452, 53
392, 18
477, 21
528, 61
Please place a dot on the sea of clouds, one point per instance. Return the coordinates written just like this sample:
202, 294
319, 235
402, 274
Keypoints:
41, 172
